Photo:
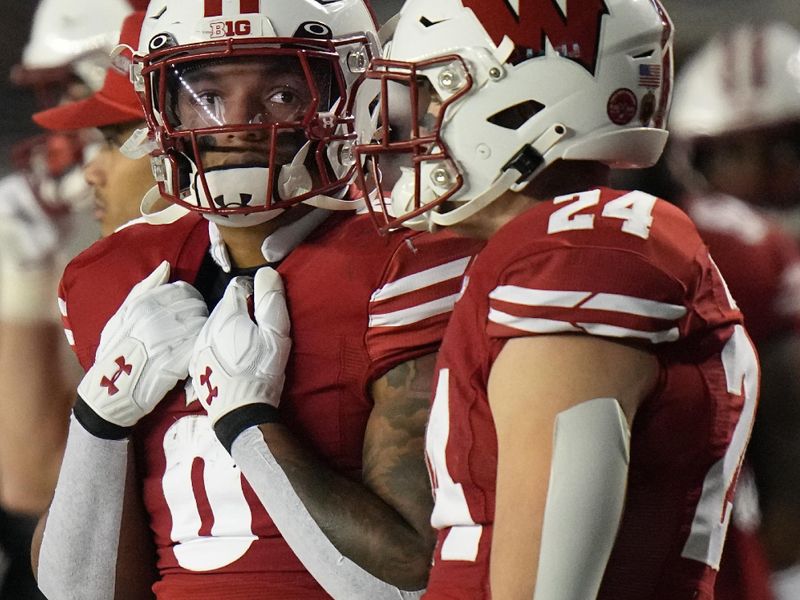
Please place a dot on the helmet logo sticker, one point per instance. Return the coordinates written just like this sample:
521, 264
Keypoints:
650, 76
161, 41
314, 30
575, 35
244, 200
648, 108
622, 106
221, 29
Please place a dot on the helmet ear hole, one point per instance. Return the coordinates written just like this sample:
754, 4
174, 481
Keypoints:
516, 116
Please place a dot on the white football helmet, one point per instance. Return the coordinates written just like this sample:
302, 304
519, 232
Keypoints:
742, 79
481, 95
70, 43
745, 81
76, 35
301, 135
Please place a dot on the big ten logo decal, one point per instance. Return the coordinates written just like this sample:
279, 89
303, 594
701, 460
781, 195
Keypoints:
230, 28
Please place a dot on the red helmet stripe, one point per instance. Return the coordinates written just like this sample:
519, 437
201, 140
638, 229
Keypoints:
213, 8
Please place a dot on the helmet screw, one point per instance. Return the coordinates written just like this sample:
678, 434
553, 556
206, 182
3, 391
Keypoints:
495, 73
357, 61
483, 151
440, 177
449, 80
346, 156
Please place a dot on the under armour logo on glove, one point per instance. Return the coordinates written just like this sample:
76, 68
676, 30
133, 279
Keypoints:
110, 384
147, 345
205, 379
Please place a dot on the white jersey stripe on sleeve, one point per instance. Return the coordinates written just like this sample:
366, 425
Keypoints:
588, 300
414, 314
423, 279
70, 337
544, 326
519, 295
636, 306
62, 306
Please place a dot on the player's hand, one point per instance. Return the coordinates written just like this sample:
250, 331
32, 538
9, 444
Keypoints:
144, 349
238, 363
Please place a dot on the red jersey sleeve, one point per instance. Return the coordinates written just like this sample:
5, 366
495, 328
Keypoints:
546, 293
65, 322
652, 291
409, 310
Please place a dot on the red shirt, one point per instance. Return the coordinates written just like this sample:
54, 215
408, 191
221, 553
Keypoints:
359, 305
761, 264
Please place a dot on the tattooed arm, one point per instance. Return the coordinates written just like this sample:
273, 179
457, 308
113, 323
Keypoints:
382, 523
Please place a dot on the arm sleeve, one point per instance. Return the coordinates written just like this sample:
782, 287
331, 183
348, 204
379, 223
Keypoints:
338, 575
78, 555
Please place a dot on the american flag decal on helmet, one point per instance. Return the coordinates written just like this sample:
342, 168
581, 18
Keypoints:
650, 75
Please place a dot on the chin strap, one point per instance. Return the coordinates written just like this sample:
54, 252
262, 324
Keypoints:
337, 574
512, 178
165, 216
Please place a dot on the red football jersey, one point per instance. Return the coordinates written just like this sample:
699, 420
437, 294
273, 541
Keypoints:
359, 305
759, 260
761, 264
629, 267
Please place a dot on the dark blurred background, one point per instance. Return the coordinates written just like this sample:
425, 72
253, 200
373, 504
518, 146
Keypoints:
695, 21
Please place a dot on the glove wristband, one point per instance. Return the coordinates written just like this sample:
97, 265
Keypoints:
97, 425
229, 426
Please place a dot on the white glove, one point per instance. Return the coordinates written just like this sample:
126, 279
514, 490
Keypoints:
144, 349
239, 360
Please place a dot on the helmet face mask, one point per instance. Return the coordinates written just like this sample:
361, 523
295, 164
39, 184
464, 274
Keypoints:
519, 93
249, 125
410, 166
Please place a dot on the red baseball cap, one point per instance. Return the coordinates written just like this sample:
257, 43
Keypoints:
115, 103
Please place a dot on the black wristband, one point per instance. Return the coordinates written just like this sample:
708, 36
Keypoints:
97, 425
235, 422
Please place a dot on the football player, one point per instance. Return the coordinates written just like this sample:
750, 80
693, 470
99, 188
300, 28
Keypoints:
595, 388
44, 223
118, 182
736, 125
234, 484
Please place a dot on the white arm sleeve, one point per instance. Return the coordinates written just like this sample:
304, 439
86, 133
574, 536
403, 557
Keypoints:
337, 574
585, 497
78, 556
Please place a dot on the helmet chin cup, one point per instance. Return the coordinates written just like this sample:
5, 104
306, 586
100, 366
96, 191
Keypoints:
233, 187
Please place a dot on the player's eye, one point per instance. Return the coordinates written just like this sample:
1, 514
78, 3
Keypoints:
284, 97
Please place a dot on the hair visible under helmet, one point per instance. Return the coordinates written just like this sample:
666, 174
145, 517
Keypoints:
327, 45
493, 92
